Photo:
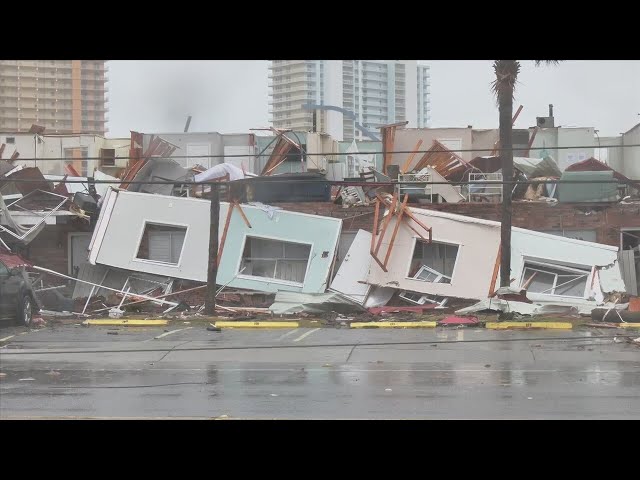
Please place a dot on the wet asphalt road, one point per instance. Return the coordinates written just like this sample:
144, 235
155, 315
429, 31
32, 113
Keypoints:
189, 372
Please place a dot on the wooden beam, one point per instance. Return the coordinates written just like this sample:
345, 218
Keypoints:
224, 232
410, 215
268, 172
244, 217
528, 282
395, 229
407, 164
281, 133
417, 232
494, 276
413, 217
385, 224
533, 137
515, 117
397, 124
378, 262
513, 121
374, 231
388, 138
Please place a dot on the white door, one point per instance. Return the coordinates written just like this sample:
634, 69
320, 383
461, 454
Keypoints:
354, 268
79, 252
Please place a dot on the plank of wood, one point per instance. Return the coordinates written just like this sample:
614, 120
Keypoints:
395, 229
407, 164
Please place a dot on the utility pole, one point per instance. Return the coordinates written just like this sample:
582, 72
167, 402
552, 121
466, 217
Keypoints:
212, 270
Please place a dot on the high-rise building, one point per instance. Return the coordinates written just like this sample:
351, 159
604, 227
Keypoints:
64, 96
361, 94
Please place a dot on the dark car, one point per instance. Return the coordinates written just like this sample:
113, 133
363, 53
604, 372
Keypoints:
17, 300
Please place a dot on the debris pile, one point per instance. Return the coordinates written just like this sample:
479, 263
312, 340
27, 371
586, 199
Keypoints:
147, 242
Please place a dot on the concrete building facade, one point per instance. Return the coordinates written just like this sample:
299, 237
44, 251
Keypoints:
64, 96
622, 152
50, 153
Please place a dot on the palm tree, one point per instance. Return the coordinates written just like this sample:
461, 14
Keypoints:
504, 86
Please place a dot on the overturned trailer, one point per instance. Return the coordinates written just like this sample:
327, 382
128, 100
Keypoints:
261, 248
462, 260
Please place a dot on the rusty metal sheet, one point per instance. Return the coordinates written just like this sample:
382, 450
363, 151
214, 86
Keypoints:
443, 161
36, 180
283, 147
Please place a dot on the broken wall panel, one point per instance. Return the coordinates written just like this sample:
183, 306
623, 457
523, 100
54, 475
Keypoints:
89, 273
561, 256
477, 244
354, 270
32, 179
425, 185
629, 270
282, 251
562, 262
159, 170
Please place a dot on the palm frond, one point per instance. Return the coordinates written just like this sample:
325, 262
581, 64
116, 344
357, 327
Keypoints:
506, 77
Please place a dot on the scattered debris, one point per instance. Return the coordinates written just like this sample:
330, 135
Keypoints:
149, 241
455, 320
38, 322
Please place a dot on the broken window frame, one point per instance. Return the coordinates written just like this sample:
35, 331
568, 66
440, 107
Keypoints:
35, 213
629, 232
539, 265
274, 279
107, 157
161, 224
423, 298
439, 275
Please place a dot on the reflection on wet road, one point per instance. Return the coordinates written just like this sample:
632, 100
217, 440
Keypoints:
195, 373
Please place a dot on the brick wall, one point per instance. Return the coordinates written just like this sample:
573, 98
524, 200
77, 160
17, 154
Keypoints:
50, 248
355, 218
606, 220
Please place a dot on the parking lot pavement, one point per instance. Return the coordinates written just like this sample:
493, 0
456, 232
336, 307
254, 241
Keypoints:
188, 371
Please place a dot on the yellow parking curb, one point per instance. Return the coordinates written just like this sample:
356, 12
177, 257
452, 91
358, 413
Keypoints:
225, 324
123, 322
506, 325
393, 324
630, 325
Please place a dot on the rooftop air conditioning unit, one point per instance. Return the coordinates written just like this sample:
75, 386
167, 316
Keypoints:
545, 122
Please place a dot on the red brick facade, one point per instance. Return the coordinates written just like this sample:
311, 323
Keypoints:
50, 248
606, 220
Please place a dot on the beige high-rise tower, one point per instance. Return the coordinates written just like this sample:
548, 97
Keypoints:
65, 96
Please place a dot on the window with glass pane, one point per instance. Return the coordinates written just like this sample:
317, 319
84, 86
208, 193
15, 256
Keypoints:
275, 259
433, 262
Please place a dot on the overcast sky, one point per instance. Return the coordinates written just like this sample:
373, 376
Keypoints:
231, 96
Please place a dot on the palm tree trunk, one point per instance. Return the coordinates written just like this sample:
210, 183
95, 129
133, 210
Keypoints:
505, 108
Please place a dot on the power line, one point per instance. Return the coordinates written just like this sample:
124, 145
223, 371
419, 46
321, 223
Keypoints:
244, 155
320, 181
